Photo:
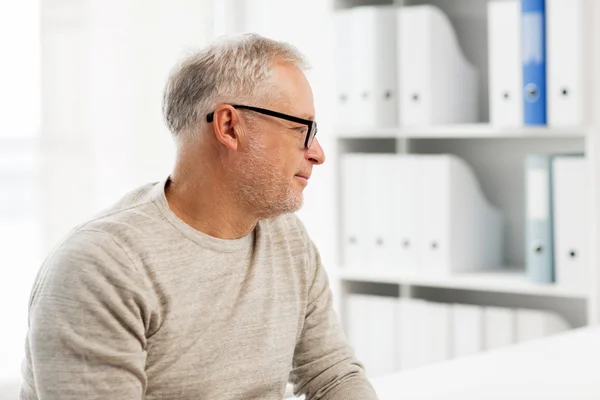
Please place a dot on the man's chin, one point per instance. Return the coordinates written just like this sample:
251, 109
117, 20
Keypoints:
281, 209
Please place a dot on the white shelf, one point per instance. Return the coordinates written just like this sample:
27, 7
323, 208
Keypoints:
501, 281
459, 131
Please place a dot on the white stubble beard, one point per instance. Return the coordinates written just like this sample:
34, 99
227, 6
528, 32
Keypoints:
265, 191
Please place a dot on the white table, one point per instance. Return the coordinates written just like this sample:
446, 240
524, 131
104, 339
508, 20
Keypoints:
564, 366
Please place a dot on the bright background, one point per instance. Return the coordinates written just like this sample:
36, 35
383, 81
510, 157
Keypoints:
81, 122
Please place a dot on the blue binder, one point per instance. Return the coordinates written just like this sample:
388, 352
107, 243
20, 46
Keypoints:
538, 217
533, 46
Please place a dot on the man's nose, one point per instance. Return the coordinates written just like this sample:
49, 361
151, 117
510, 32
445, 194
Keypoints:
315, 153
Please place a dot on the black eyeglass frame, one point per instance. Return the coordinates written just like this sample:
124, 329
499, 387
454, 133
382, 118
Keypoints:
312, 125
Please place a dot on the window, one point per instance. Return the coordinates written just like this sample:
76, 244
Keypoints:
20, 117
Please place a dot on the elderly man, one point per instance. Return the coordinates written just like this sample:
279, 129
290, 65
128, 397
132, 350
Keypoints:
206, 285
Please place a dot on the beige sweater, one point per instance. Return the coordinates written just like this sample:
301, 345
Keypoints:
138, 305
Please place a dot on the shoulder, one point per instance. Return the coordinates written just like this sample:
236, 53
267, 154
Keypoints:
134, 205
87, 241
117, 226
85, 265
102, 246
88, 251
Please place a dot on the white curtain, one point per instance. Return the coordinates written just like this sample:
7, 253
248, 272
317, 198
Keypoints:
103, 67
19, 133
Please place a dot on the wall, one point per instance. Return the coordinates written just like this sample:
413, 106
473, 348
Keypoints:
104, 67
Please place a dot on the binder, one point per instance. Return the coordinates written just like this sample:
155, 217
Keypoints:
499, 327
371, 331
467, 329
420, 213
423, 333
570, 221
434, 191
353, 178
458, 229
533, 46
381, 334
538, 216
406, 212
535, 324
356, 324
438, 85
345, 58
437, 333
411, 334
374, 67
381, 207
565, 22
504, 63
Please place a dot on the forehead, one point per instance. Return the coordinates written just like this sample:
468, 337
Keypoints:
295, 90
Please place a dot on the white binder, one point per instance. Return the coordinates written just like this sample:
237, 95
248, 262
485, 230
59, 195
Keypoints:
406, 211
467, 329
504, 63
371, 331
345, 57
499, 327
381, 242
435, 214
570, 222
411, 334
424, 332
437, 333
356, 325
535, 324
381, 334
437, 83
374, 67
353, 178
565, 49
458, 229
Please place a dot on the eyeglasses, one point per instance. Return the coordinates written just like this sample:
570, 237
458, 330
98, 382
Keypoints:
312, 125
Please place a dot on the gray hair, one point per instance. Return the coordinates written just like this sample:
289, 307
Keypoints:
231, 69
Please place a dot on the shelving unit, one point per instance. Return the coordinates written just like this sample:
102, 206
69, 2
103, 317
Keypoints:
508, 281
459, 131
496, 155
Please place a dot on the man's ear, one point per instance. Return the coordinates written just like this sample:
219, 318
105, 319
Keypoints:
227, 126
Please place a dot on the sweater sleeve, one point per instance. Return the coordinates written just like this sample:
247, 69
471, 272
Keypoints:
86, 337
324, 366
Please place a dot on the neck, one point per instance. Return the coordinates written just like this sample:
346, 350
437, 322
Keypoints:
203, 202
